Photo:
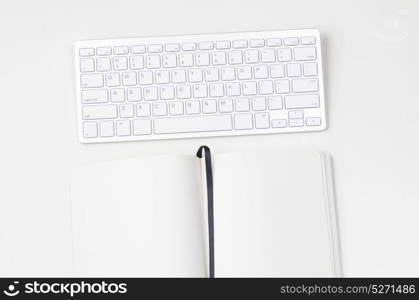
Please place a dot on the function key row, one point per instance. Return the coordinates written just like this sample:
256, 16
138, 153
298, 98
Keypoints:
191, 46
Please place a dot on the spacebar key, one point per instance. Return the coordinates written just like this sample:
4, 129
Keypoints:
193, 124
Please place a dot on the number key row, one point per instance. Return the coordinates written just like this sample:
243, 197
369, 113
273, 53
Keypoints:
236, 57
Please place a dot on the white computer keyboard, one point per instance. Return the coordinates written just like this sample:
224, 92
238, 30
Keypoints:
199, 85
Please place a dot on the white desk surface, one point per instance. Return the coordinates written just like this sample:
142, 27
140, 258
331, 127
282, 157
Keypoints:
371, 61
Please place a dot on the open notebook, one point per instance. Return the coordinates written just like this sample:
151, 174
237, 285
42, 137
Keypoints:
273, 216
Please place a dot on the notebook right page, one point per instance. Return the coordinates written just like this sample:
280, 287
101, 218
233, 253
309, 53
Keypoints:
273, 216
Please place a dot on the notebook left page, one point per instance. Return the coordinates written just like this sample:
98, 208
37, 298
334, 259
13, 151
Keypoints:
139, 217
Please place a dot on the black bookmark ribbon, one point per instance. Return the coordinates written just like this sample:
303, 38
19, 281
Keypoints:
210, 195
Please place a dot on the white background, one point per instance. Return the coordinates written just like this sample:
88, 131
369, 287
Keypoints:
370, 51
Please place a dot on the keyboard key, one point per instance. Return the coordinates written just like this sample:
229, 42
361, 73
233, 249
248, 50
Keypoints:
233, 89
186, 60
219, 58
244, 72
94, 96
209, 106
86, 51
192, 107
206, 45
291, 41
228, 73
260, 71
279, 123
275, 102
91, 80
266, 87
169, 61
282, 86
293, 70
243, 121
202, 59
284, 54
162, 77
305, 85
123, 127
178, 76
296, 114
192, 124
262, 120
117, 95
305, 53
235, 57
112, 79
172, 47
189, 46
302, 101
296, 122
126, 110
200, 91
242, 104
195, 75
267, 55
150, 93
152, 61
87, 65
277, 71
211, 74
143, 109
89, 129
129, 78
159, 109
120, 50
93, 112
167, 92
240, 44
120, 63
251, 56
107, 129
216, 90
308, 40
249, 88
257, 43
155, 48
310, 69
104, 51
223, 45
136, 62
313, 121
137, 49
141, 126
103, 64
183, 91
176, 108
225, 105
134, 94
258, 103
274, 42
145, 77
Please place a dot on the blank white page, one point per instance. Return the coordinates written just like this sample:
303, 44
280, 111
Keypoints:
271, 215
139, 217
